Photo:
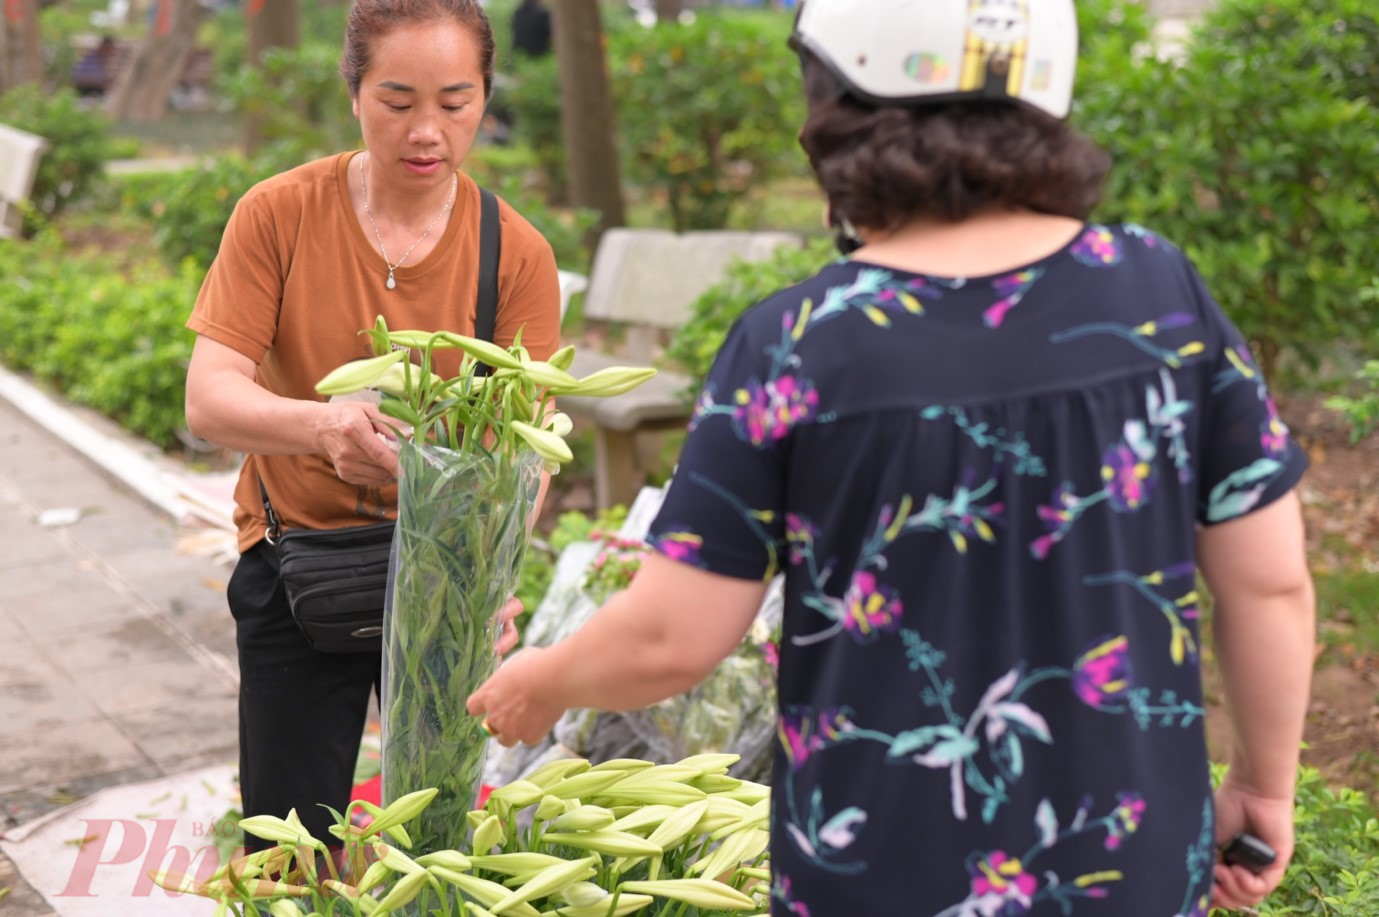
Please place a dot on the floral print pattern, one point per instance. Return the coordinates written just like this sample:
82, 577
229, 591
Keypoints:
1098, 247
767, 412
991, 614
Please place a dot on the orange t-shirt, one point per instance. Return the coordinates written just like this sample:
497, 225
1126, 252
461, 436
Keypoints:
297, 279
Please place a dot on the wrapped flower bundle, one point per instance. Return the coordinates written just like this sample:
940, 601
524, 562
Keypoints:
471, 452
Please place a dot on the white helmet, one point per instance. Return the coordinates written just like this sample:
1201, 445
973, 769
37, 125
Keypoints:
914, 52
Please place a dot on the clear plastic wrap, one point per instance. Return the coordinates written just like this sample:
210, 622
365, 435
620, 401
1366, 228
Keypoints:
459, 546
733, 710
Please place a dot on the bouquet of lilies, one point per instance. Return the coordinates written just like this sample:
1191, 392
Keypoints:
569, 839
472, 449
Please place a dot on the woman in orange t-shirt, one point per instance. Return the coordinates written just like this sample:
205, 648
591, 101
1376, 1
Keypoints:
309, 258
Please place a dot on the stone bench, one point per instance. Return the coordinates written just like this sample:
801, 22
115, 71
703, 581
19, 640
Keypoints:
647, 280
20, 152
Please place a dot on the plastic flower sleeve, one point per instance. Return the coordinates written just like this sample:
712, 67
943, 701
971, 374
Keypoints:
461, 537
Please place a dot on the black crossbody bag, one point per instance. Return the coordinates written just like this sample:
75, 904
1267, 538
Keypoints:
337, 579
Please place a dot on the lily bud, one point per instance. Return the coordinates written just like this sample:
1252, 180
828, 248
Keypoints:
547, 376
563, 358
584, 818
518, 793
487, 834
484, 351
553, 771
450, 859
551, 806
276, 829
613, 843
549, 881
484, 891
607, 382
627, 904
701, 893
402, 810
358, 374
589, 783
515, 864
543, 442
407, 888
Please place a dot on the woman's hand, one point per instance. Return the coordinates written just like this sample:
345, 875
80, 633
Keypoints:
1238, 808
354, 435
513, 702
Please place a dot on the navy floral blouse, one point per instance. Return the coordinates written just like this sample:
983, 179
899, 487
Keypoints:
983, 493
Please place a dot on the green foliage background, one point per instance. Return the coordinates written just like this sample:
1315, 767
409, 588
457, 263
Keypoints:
1256, 153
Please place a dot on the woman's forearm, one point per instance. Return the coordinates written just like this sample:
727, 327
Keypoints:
1265, 653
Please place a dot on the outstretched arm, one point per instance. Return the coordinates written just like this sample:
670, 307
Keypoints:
1263, 621
662, 635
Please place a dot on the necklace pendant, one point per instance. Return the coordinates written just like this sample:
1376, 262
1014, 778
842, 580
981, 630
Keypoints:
392, 281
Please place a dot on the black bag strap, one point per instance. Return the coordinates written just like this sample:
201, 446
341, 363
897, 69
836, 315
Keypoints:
485, 321
490, 249
271, 517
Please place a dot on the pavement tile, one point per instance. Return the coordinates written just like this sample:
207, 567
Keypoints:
70, 751
31, 708
24, 544
107, 529
151, 686
22, 900
179, 738
111, 645
44, 616
9, 627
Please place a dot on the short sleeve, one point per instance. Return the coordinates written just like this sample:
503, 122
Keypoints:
723, 511
1249, 457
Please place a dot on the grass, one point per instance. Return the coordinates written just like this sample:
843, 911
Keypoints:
184, 133
1346, 600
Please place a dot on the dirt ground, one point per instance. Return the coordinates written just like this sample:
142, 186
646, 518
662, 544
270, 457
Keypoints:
1341, 502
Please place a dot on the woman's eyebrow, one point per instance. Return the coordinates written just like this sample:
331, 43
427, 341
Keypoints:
403, 87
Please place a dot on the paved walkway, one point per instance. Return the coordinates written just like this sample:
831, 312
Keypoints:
116, 649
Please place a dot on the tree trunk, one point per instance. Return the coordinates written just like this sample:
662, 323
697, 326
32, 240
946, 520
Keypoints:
21, 49
669, 10
271, 24
586, 112
141, 93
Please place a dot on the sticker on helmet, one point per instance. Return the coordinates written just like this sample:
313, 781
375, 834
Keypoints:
997, 40
928, 68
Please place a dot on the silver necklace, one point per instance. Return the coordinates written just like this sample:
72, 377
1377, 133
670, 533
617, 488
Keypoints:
393, 266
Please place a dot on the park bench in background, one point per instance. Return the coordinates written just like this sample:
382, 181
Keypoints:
19, 155
647, 280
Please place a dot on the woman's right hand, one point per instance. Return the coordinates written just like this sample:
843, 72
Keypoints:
1239, 808
354, 435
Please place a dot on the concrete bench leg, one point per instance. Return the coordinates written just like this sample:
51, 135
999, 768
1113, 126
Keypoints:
617, 472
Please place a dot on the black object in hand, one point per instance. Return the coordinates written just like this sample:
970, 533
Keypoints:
1248, 851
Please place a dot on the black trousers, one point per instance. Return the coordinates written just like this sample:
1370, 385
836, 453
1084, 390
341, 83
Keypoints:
301, 713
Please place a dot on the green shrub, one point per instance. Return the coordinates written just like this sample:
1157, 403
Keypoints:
512, 173
1335, 867
189, 209
102, 334
707, 110
530, 97
78, 146
299, 102
1256, 154
1361, 411
695, 343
